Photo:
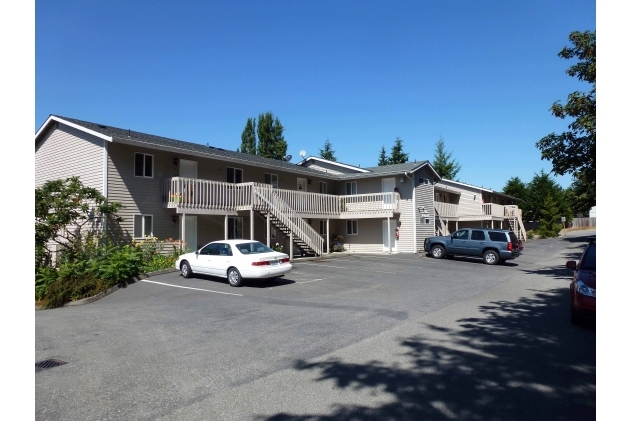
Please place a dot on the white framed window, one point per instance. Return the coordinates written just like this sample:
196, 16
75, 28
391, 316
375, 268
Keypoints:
351, 227
234, 175
143, 226
323, 227
143, 165
425, 221
351, 187
235, 228
323, 187
271, 179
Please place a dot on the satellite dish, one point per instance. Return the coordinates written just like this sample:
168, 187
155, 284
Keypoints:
287, 158
303, 153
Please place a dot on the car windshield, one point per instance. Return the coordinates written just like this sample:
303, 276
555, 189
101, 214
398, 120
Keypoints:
253, 248
589, 259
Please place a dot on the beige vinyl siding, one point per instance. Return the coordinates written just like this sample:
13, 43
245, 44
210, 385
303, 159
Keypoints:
470, 202
405, 244
424, 198
65, 152
369, 238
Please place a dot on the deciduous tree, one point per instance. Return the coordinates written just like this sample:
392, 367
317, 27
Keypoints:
574, 151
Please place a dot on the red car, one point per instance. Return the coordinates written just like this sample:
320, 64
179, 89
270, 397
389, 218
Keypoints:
583, 286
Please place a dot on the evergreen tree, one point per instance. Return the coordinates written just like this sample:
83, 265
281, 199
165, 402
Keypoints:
550, 211
516, 188
443, 164
539, 189
581, 195
383, 159
397, 156
248, 137
327, 152
271, 142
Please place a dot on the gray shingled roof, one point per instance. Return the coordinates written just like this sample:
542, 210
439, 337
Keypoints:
126, 135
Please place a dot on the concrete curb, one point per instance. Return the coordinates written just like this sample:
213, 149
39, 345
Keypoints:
116, 287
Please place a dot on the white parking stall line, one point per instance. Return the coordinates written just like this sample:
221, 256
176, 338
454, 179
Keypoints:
196, 289
313, 280
346, 267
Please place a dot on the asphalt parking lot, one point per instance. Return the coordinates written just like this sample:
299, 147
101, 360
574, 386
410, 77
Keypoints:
167, 343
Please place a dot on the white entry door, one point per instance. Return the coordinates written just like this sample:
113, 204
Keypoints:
302, 184
190, 228
387, 186
393, 240
188, 168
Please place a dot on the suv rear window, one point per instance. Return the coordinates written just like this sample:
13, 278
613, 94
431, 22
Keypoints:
513, 237
497, 236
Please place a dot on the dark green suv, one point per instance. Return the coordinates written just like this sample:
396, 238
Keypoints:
493, 245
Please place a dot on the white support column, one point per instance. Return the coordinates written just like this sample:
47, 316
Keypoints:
501, 223
291, 245
225, 228
183, 227
389, 242
456, 225
328, 236
252, 224
269, 230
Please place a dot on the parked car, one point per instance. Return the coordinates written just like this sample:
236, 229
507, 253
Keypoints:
583, 285
493, 245
235, 260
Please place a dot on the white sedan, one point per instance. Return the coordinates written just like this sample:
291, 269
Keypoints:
235, 260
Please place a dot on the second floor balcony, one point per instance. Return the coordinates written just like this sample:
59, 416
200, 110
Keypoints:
216, 197
485, 211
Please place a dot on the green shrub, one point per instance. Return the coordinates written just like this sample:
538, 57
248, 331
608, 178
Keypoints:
43, 278
530, 234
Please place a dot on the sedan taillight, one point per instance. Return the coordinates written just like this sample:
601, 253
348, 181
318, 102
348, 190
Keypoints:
263, 263
285, 260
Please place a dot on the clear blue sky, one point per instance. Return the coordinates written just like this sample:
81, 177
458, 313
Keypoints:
481, 74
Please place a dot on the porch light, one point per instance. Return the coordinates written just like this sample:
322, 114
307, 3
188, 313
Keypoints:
402, 180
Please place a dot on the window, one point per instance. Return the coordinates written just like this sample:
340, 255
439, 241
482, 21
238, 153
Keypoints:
225, 250
497, 236
271, 179
351, 187
143, 165
423, 181
235, 228
253, 247
210, 249
234, 175
323, 227
426, 221
323, 187
478, 235
461, 235
143, 226
351, 227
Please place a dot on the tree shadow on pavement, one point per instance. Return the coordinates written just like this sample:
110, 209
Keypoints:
518, 361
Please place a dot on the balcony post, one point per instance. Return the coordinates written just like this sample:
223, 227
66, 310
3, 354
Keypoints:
268, 229
389, 240
183, 230
225, 227
291, 245
252, 223
328, 235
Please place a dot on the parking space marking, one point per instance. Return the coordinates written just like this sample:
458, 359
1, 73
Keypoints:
345, 267
197, 289
313, 280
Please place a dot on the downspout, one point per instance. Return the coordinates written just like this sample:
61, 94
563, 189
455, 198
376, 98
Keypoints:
413, 209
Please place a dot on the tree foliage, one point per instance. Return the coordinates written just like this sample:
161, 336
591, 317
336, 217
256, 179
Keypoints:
574, 151
63, 208
397, 156
327, 152
551, 212
516, 188
581, 195
271, 143
248, 137
383, 159
538, 191
444, 165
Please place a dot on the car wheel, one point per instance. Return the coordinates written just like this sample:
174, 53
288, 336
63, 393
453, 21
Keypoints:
438, 252
186, 269
234, 277
491, 257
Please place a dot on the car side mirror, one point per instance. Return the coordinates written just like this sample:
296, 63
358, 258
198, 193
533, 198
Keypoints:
570, 264
196, 252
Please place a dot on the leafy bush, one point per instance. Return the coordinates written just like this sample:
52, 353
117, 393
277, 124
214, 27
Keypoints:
277, 247
337, 243
530, 234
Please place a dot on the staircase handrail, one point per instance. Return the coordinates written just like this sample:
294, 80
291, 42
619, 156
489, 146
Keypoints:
276, 205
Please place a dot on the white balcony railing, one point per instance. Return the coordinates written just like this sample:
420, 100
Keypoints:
447, 210
193, 193
493, 209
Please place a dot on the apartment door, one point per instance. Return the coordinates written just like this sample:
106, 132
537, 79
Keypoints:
301, 184
387, 186
190, 231
393, 240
